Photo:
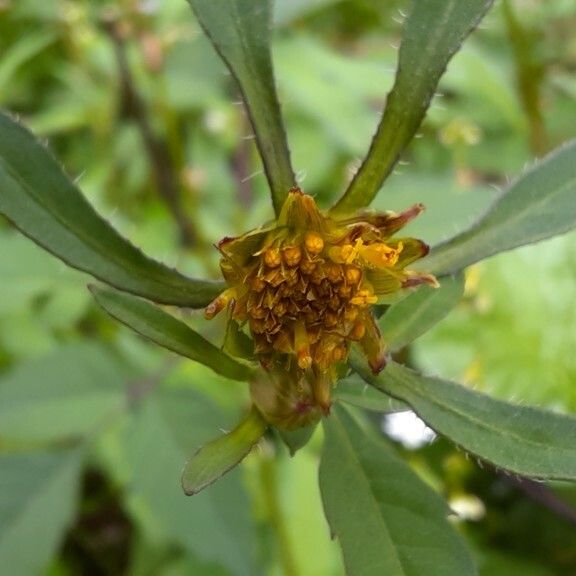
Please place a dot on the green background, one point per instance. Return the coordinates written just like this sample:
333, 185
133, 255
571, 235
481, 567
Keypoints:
95, 424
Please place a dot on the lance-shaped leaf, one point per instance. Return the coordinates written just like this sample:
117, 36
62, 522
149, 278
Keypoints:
522, 439
419, 312
240, 33
387, 520
353, 390
539, 205
433, 32
38, 197
165, 330
216, 458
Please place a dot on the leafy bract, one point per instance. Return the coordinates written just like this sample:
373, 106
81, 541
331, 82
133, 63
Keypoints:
433, 32
418, 312
386, 519
165, 330
38, 197
522, 439
298, 438
240, 32
539, 205
216, 458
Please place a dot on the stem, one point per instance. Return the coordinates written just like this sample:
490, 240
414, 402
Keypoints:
270, 487
529, 74
543, 495
160, 158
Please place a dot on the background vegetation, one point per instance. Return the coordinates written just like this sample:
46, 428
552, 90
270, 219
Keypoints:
95, 424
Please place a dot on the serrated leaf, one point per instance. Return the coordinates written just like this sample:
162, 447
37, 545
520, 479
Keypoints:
38, 197
386, 519
216, 458
433, 33
38, 494
165, 330
240, 32
419, 312
522, 439
539, 205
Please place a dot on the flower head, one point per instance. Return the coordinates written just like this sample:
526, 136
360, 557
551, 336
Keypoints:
304, 286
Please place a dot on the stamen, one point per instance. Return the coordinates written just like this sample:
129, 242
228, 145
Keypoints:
272, 258
314, 243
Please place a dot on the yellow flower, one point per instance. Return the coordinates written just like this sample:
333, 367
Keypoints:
304, 286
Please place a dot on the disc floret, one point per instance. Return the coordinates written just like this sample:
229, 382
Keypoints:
305, 286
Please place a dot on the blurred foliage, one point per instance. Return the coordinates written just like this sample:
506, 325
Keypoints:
95, 424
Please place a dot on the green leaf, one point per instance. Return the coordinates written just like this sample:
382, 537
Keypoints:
539, 205
420, 311
19, 53
38, 494
38, 197
433, 33
71, 392
165, 330
216, 458
522, 439
386, 519
353, 390
145, 458
240, 32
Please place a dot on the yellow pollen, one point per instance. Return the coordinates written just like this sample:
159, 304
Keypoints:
280, 308
333, 273
307, 266
314, 243
347, 253
330, 319
301, 342
381, 255
344, 291
302, 286
272, 258
357, 332
258, 284
339, 354
304, 360
364, 298
350, 313
353, 275
292, 255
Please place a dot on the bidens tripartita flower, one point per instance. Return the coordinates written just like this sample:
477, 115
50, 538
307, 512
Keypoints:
304, 286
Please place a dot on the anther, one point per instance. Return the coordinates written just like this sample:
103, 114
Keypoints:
353, 275
292, 255
357, 332
272, 258
313, 243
